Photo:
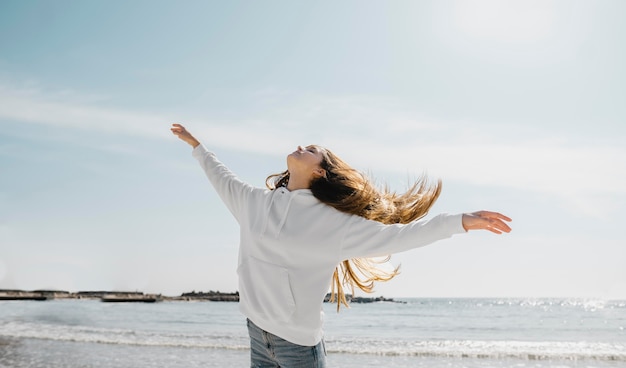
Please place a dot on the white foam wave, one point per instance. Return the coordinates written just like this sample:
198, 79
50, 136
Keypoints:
528, 350
121, 336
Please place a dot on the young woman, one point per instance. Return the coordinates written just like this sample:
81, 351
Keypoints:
317, 220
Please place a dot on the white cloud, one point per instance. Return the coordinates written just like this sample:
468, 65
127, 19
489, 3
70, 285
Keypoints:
33, 106
373, 134
588, 179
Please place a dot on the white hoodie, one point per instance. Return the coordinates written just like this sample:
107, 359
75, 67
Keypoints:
290, 244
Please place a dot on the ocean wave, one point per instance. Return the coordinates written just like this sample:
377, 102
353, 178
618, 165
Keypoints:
526, 350
122, 336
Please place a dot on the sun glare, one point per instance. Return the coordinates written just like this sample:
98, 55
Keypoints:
508, 21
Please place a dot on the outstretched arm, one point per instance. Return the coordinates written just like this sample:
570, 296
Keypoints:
183, 134
233, 192
486, 220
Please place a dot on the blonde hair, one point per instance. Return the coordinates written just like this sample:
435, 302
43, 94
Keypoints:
350, 191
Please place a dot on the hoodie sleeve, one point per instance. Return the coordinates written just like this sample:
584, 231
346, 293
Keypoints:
233, 192
367, 238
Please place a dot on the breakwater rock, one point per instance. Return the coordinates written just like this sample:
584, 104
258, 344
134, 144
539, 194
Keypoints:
137, 296
21, 295
115, 296
106, 296
359, 299
213, 296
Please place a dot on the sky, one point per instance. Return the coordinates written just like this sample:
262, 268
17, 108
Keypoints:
517, 106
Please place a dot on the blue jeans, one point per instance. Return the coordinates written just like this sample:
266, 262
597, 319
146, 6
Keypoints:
268, 350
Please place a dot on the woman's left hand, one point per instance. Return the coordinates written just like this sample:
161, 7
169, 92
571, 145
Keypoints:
183, 134
486, 220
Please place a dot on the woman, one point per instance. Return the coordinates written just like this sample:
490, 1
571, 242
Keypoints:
318, 214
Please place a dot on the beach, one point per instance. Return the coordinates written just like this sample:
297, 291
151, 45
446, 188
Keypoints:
417, 333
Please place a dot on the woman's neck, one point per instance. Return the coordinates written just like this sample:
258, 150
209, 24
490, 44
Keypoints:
296, 183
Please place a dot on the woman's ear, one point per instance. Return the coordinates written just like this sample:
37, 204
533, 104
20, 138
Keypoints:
319, 172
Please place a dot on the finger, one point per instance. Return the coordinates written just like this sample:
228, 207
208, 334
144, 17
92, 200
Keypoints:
494, 215
495, 231
178, 130
492, 226
499, 226
505, 218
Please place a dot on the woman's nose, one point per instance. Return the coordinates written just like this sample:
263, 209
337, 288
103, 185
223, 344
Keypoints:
300, 148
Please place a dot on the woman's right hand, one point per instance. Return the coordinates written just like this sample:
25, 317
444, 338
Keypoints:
486, 220
183, 134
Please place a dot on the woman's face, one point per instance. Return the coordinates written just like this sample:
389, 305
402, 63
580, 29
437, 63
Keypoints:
305, 161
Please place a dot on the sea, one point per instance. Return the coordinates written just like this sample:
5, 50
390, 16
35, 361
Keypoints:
411, 332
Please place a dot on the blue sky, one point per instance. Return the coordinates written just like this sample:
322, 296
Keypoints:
517, 106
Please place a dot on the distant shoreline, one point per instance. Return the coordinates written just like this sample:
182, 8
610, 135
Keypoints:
116, 296
140, 297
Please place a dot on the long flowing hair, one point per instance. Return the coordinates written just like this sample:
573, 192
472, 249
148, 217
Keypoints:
350, 191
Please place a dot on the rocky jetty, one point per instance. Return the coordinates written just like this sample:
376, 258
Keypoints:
359, 299
116, 296
131, 297
213, 296
140, 297
106, 296
21, 295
